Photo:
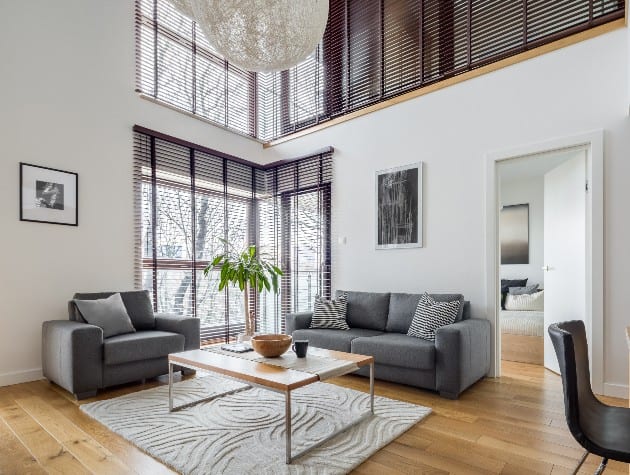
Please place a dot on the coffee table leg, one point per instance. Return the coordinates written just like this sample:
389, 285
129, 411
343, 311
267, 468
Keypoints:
170, 386
372, 387
287, 422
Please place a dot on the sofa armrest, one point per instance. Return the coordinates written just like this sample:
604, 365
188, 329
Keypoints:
297, 321
462, 353
187, 326
72, 355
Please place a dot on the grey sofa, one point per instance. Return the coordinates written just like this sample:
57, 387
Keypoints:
379, 322
77, 357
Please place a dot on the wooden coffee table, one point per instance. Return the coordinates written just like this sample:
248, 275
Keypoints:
266, 376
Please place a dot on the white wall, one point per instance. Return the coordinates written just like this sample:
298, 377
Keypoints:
67, 101
531, 191
570, 91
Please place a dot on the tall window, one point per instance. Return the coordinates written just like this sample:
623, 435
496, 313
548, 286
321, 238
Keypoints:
190, 200
371, 51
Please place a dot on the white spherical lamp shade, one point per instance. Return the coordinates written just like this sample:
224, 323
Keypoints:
261, 35
184, 7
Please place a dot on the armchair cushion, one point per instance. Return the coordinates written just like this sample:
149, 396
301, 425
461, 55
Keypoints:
109, 314
137, 303
143, 345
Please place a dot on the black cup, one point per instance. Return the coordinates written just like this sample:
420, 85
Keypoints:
300, 347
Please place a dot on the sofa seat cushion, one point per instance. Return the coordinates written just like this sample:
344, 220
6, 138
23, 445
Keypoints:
332, 339
142, 345
399, 350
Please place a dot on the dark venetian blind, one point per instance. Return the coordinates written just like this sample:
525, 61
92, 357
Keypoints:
372, 50
190, 199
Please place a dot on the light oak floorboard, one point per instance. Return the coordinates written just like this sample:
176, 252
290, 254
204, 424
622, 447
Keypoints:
510, 425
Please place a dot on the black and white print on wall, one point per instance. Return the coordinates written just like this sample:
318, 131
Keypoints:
399, 207
514, 231
48, 195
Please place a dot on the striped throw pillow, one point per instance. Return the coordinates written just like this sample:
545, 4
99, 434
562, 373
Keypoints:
330, 313
431, 315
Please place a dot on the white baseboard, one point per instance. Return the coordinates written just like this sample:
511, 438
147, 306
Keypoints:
616, 390
17, 377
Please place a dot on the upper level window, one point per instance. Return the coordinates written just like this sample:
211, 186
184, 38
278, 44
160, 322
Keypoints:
371, 51
176, 65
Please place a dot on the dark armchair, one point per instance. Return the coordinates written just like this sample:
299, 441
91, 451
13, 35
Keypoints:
77, 357
601, 429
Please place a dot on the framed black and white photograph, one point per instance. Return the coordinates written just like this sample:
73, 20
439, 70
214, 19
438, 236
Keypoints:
48, 195
399, 207
514, 226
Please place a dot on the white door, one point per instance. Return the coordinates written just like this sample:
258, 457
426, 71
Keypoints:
565, 247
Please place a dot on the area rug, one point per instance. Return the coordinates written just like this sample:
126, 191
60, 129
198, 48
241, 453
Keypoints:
244, 432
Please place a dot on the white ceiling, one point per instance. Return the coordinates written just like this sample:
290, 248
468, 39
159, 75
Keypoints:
532, 166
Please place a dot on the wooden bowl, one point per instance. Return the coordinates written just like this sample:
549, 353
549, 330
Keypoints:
271, 345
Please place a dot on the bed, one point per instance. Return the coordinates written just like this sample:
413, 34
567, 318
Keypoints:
522, 335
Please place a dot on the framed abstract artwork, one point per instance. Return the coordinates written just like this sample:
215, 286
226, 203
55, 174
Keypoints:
48, 195
399, 207
514, 226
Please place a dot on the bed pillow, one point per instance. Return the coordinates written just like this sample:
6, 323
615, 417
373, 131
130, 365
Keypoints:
528, 289
507, 283
330, 313
505, 287
532, 302
431, 315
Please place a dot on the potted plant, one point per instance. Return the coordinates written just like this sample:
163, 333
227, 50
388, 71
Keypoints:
249, 271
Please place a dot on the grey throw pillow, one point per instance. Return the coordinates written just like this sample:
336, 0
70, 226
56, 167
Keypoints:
110, 314
528, 289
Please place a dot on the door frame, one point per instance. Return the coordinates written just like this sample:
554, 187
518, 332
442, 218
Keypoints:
593, 142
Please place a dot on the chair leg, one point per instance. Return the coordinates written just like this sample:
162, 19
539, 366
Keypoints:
602, 466
580, 463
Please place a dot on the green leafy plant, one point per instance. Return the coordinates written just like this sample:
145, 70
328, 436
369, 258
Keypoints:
247, 270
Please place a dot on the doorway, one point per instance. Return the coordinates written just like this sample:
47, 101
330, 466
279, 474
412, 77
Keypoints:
545, 203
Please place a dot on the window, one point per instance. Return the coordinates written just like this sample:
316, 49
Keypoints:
371, 51
176, 65
189, 199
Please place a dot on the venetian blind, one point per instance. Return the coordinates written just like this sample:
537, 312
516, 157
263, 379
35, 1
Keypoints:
371, 51
190, 200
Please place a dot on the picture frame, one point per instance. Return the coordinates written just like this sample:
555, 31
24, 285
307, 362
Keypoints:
48, 195
514, 238
399, 207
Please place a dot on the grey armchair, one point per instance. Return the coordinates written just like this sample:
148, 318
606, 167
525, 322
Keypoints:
77, 357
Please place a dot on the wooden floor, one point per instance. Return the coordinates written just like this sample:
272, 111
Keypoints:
511, 425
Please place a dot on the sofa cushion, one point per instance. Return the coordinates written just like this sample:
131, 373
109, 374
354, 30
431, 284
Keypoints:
137, 303
108, 313
332, 339
399, 350
403, 306
142, 345
367, 309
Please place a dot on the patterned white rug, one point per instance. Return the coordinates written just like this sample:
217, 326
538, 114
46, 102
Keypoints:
244, 432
